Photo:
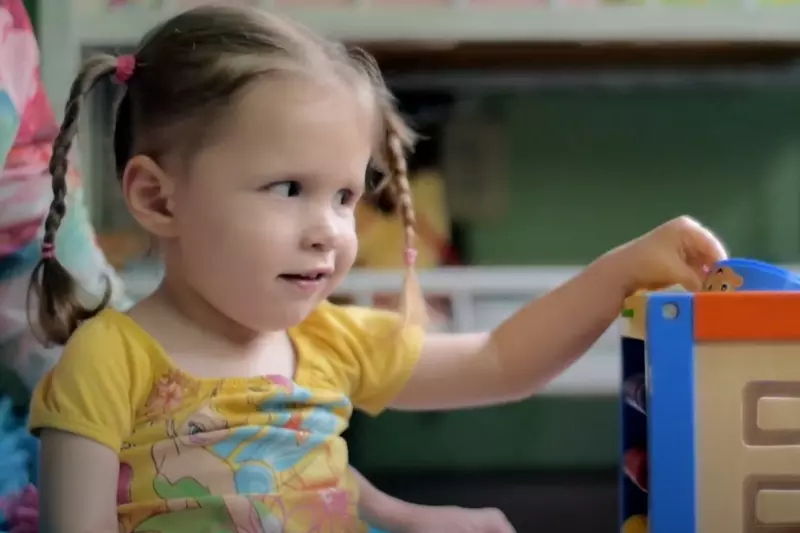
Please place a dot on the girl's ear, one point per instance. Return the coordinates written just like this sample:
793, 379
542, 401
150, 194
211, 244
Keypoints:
148, 192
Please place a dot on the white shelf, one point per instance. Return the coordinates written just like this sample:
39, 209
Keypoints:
489, 281
365, 22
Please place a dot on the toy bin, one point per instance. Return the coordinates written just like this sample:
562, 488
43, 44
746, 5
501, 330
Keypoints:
711, 405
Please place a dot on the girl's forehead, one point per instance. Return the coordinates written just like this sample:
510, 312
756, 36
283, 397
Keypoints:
286, 124
287, 102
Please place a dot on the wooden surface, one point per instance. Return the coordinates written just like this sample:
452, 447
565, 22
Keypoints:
748, 441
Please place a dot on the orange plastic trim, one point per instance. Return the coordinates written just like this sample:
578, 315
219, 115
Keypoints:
747, 316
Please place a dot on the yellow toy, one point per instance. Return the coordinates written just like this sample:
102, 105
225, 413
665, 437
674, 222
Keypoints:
381, 236
635, 524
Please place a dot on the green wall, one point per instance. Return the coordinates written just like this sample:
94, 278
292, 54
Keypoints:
547, 433
588, 171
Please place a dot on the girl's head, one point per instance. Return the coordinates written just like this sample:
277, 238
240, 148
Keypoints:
241, 142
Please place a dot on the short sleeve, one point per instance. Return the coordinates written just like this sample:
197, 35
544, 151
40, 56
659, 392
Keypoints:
88, 390
378, 353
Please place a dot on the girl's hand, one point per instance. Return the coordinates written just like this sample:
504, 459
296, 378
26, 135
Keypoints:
678, 252
427, 519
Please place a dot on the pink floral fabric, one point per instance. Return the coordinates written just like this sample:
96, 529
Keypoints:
27, 129
24, 182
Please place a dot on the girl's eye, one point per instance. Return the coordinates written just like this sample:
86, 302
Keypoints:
285, 188
345, 196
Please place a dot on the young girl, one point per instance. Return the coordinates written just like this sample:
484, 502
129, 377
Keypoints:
218, 403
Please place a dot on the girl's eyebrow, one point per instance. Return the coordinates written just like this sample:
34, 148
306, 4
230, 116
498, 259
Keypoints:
279, 177
356, 183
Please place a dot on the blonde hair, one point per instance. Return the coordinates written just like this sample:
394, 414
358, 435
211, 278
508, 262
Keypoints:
186, 73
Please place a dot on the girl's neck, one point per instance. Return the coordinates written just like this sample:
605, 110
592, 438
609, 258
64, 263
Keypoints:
191, 307
206, 343
189, 313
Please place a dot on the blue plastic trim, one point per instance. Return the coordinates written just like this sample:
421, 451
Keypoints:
742, 262
672, 473
759, 276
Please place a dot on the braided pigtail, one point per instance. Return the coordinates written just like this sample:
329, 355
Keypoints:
395, 139
59, 308
398, 139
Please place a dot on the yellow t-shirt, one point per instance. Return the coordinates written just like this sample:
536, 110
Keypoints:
261, 455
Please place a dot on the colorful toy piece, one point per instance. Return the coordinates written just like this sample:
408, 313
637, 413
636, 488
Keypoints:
718, 423
634, 463
748, 275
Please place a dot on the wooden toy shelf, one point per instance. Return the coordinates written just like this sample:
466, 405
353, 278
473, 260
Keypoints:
710, 425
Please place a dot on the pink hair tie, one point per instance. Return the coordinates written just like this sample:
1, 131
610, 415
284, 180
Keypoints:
48, 250
125, 66
410, 256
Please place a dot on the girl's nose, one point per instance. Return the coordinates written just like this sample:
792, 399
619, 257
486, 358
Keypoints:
321, 235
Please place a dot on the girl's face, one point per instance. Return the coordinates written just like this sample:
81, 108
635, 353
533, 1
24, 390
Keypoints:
264, 223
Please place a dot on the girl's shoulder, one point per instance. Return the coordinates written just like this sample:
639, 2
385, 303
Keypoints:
105, 370
111, 344
345, 327
369, 352
111, 334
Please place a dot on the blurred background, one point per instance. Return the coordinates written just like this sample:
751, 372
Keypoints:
554, 130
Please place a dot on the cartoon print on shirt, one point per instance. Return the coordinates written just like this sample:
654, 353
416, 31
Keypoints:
217, 461
168, 394
188, 470
184, 465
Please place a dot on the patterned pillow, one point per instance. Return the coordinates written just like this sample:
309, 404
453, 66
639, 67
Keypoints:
27, 130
